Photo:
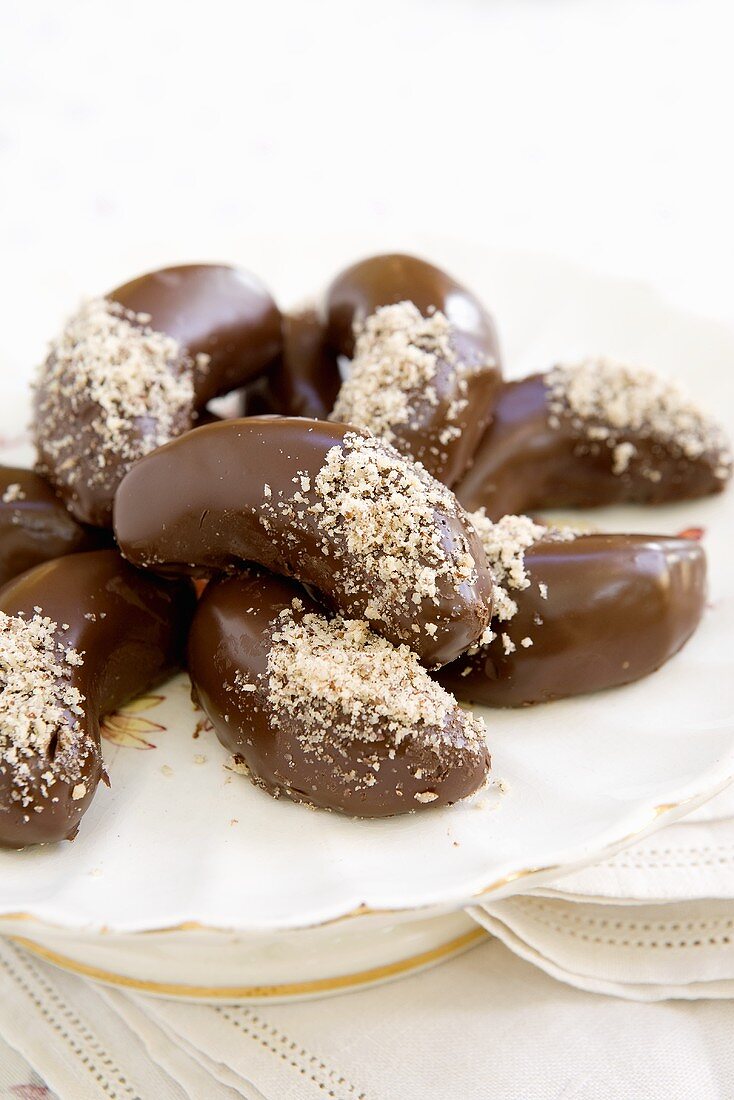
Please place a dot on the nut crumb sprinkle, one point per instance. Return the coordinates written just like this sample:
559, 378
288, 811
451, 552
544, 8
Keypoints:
505, 543
39, 706
340, 683
396, 358
385, 509
131, 387
13, 493
236, 763
379, 520
407, 384
606, 401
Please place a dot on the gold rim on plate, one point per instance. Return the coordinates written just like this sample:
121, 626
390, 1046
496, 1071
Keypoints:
340, 983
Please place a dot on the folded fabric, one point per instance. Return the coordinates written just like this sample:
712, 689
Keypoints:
690, 860
721, 806
641, 952
483, 1026
76, 1046
654, 922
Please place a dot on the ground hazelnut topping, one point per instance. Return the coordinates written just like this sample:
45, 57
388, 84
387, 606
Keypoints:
109, 359
505, 543
607, 401
343, 683
12, 493
404, 369
38, 703
396, 358
377, 513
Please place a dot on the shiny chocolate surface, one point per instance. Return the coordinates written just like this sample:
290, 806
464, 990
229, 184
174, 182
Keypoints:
244, 491
131, 630
617, 607
447, 418
388, 279
230, 641
227, 330
523, 463
35, 525
304, 380
223, 312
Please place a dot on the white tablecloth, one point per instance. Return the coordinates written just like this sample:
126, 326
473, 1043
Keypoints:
486, 1026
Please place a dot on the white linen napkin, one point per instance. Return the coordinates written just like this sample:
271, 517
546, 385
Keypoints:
483, 1026
640, 952
654, 922
692, 859
80, 1049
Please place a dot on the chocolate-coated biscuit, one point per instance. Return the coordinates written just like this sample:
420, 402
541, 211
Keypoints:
331, 506
321, 710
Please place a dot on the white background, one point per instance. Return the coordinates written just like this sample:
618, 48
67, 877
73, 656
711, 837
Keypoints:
150, 130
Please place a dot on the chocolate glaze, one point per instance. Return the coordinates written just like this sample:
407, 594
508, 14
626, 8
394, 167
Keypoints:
36, 526
305, 379
213, 309
257, 399
232, 634
386, 280
198, 506
135, 639
617, 608
523, 464
221, 312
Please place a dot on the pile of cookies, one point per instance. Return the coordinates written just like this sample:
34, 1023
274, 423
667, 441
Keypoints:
367, 532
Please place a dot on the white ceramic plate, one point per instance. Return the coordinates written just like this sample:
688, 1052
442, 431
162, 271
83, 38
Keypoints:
179, 839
